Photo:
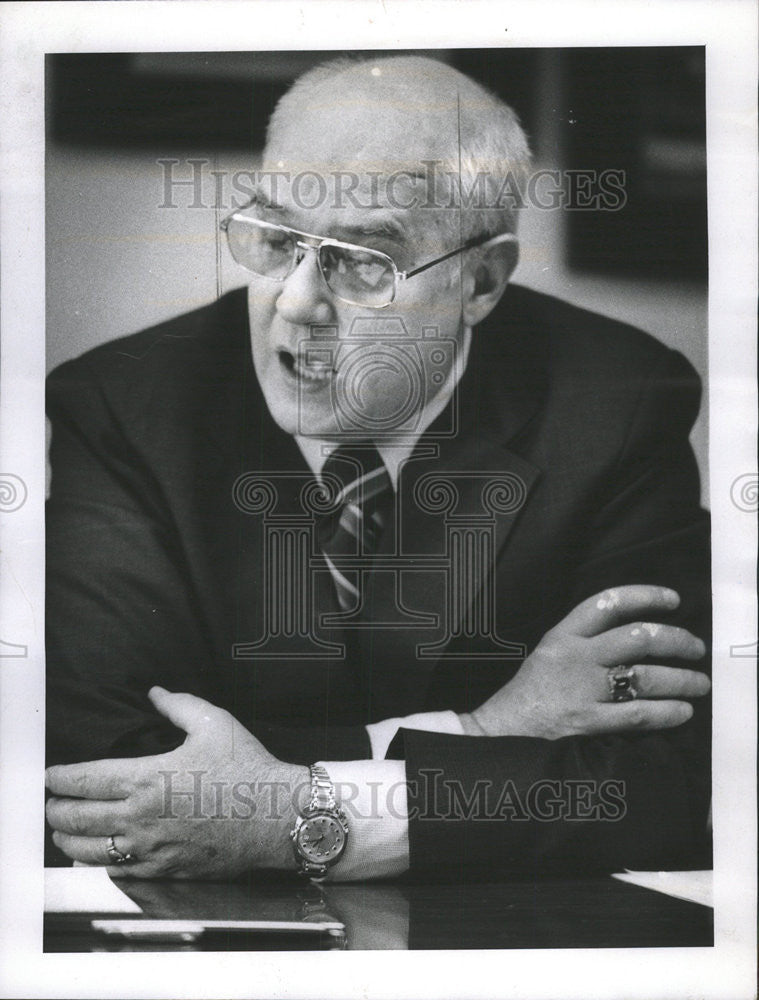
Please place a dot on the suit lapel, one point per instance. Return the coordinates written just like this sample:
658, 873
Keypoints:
249, 480
459, 498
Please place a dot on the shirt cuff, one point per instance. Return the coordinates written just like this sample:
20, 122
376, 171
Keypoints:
373, 795
381, 733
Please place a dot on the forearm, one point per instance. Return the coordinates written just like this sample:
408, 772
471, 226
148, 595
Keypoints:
517, 806
90, 717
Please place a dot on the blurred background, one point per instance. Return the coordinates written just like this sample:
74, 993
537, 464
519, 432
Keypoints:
129, 244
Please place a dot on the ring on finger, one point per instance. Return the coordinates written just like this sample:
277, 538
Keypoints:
116, 856
622, 683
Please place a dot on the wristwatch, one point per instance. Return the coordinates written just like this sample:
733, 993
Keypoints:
320, 833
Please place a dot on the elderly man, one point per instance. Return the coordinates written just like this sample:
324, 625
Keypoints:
416, 558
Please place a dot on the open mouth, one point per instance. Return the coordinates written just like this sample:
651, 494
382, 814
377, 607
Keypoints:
316, 372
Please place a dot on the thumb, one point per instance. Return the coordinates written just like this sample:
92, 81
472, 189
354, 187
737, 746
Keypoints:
186, 711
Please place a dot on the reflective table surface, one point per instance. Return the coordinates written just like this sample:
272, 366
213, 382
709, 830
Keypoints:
572, 913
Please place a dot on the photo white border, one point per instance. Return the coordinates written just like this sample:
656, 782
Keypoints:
728, 28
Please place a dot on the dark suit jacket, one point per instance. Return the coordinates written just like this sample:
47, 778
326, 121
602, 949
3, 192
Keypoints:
157, 570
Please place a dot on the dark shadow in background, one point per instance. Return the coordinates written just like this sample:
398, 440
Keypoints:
638, 110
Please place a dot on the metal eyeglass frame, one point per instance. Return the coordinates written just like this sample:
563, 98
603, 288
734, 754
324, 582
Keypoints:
322, 241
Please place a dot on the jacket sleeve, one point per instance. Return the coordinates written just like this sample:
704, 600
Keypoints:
121, 614
517, 806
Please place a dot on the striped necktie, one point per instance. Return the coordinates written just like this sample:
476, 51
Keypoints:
355, 527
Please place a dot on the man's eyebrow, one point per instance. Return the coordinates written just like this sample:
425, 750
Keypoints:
373, 225
386, 226
264, 201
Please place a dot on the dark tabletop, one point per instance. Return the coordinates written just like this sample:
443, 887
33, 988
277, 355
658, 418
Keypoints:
573, 913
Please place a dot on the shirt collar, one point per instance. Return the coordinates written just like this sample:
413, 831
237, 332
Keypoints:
316, 452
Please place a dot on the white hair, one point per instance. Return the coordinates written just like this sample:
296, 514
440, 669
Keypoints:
487, 173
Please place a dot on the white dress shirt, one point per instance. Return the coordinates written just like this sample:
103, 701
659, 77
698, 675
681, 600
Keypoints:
373, 792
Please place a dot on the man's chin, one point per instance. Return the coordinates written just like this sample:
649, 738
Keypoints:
305, 424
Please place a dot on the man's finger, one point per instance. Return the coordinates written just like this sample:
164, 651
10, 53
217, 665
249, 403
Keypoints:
92, 850
645, 715
619, 604
94, 779
187, 711
642, 639
654, 681
85, 817
134, 869
639, 715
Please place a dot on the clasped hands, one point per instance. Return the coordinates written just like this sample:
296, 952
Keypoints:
159, 807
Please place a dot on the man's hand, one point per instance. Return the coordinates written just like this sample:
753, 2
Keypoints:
562, 689
216, 806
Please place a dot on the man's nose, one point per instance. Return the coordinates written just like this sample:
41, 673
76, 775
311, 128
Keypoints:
304, 297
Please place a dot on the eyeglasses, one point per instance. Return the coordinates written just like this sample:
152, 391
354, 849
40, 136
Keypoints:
354, 274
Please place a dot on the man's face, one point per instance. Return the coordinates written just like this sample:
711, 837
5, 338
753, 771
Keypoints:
327, 367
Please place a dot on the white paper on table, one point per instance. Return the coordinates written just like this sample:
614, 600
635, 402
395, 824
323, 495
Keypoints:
696, 887
84, 890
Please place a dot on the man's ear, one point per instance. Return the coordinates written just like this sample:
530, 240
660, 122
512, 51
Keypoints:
489, 270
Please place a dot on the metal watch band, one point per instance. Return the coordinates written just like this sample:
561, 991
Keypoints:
322, 789
323, 800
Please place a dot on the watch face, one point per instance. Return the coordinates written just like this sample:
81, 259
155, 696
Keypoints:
321, 838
